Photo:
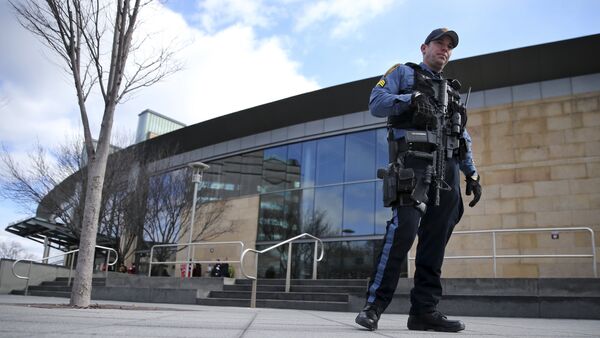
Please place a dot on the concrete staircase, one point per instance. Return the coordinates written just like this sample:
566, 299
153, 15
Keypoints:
56, 288
305, 294
518, 297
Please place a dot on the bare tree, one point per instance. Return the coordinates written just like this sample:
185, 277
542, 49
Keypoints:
137, 205
286, 221
29, 185
13, 250
75, 31
116, 207
50, 186
168, 212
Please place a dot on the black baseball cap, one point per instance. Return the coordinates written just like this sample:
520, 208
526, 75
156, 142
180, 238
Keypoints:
437, 34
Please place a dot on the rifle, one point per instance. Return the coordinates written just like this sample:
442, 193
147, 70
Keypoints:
439, 156
447, 135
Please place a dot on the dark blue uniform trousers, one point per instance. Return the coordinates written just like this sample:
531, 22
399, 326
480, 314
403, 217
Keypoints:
434, 230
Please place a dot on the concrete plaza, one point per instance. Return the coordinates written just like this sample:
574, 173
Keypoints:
32, 316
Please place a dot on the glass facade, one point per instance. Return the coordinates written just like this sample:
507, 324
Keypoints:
343, 259
326, 187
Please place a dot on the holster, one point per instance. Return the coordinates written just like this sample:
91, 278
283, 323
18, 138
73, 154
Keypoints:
390, 185
402, 186
398, 184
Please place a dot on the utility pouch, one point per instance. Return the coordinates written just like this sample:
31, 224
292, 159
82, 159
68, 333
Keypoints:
419, 194
406, 186
406, 180
390, 185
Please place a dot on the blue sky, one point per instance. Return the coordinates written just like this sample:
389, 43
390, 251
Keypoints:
242, 53
393, 31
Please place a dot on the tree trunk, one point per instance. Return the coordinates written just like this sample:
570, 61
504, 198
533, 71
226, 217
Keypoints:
82, 284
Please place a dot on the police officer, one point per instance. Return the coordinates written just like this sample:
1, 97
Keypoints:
405, 95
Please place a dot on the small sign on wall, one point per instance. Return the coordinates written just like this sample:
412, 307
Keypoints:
554, 235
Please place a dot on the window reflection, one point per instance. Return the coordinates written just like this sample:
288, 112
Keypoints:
280, 215
308, 164
274, 169
328, 211
168, 194
294, 162
232, 168
292, 211
330, 160
332, 208
360, 156
250, 173
382, 148
271, 220
308, 187
312, 186
272, 264
359, 207
211, 180
351, 259
348, 259
345, 259
307, 221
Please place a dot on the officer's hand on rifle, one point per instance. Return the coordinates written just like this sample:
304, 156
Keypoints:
473, 186
424, 111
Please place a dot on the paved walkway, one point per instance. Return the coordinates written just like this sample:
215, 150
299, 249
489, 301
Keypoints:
31, 316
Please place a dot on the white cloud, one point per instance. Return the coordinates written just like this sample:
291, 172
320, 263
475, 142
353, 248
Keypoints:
346, 16
224, 72
215, 14
37, 96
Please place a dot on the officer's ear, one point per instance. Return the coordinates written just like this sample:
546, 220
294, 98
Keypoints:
423, 47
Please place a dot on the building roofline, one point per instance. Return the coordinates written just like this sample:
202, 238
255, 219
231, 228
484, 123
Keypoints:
543, 62
495, 70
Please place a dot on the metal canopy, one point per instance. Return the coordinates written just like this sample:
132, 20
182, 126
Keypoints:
59, 236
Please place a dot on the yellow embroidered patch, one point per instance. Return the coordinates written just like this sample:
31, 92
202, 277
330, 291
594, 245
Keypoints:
381, 83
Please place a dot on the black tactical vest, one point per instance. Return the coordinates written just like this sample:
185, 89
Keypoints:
426, 84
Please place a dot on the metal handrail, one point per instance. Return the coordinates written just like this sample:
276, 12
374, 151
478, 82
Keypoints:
191, 261
289, 263
494, 256
108, 263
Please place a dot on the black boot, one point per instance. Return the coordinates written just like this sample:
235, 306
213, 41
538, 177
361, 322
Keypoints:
368, 317
435, 321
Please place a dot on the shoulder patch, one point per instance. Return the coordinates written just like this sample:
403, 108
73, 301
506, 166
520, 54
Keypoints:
391, 69
381, 83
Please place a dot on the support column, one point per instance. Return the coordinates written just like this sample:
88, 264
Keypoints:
46, 250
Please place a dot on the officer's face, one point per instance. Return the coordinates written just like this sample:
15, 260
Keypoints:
437, 53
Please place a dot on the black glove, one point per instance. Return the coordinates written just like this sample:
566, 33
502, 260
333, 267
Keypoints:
423, 111
473, 186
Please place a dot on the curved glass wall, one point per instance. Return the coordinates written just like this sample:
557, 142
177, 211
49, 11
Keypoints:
326, 187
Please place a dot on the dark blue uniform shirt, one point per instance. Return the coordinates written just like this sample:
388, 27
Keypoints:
391, 97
